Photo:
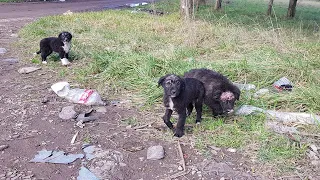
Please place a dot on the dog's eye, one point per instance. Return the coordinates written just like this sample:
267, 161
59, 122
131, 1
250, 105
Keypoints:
178, 82
168, 83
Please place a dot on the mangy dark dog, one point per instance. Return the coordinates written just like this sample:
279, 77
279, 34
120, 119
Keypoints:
60, 44
220, 93
180, 94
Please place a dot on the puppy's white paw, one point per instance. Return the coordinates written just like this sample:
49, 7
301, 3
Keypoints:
65, 62
44, 62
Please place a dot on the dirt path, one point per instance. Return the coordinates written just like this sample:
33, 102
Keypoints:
29, 121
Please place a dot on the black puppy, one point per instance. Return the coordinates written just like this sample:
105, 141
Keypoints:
220, 93
180, 94
60, 44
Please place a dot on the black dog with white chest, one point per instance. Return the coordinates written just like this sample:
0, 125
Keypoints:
180, 94
60, 44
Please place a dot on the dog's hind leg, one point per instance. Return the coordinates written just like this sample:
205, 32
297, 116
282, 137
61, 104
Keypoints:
166, 118
189, 109
198, 107
181, 121
64, 59
44, 55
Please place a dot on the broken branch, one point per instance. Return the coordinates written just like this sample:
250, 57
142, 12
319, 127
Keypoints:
143, 126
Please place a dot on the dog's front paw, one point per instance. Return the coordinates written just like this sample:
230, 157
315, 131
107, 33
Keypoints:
65, 62
44, 62
178, 133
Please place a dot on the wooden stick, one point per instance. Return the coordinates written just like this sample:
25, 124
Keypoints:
143, 126
74, 137
181, 155
181, 173
306, 134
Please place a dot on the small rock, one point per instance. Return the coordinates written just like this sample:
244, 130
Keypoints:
3, 147
180, 168
215, 148
312, 155
26, 70
44, 100
141, 158
11, 60
67, 12
122, 164
3, 50
15, 136
222, 178
128, 127
193, 172
232, 150
214, 152
155, 153
101, 109
2, 175
260, 93
67, 113
314, 148
27, 87
315, 162
14, 35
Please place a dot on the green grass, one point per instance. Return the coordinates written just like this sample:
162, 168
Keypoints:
128, 52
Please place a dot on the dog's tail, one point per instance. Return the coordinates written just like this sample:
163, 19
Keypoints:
37, 52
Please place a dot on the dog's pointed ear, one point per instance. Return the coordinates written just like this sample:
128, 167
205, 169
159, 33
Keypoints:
161, 80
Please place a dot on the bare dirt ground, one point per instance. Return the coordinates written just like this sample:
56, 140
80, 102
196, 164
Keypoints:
29, 121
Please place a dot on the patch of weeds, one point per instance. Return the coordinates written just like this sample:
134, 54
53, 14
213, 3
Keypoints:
280, 151
35, 61
86, 139
62, 73
132, 121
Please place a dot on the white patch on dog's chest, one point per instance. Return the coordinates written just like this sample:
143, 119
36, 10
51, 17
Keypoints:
66, 46
170, 104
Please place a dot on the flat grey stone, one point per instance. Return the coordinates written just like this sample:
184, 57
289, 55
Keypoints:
67, 113
232, 150
3, 147
26, 70
10, 60
314, 148
315, 162
155, 152
3, 50
261, 92
101, 109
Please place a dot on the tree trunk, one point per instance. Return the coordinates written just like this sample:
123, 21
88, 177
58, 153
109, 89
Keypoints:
186, 8
292, 8
270, 7
218, 5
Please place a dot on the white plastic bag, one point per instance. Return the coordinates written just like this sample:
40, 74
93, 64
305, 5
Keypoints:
81, 96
